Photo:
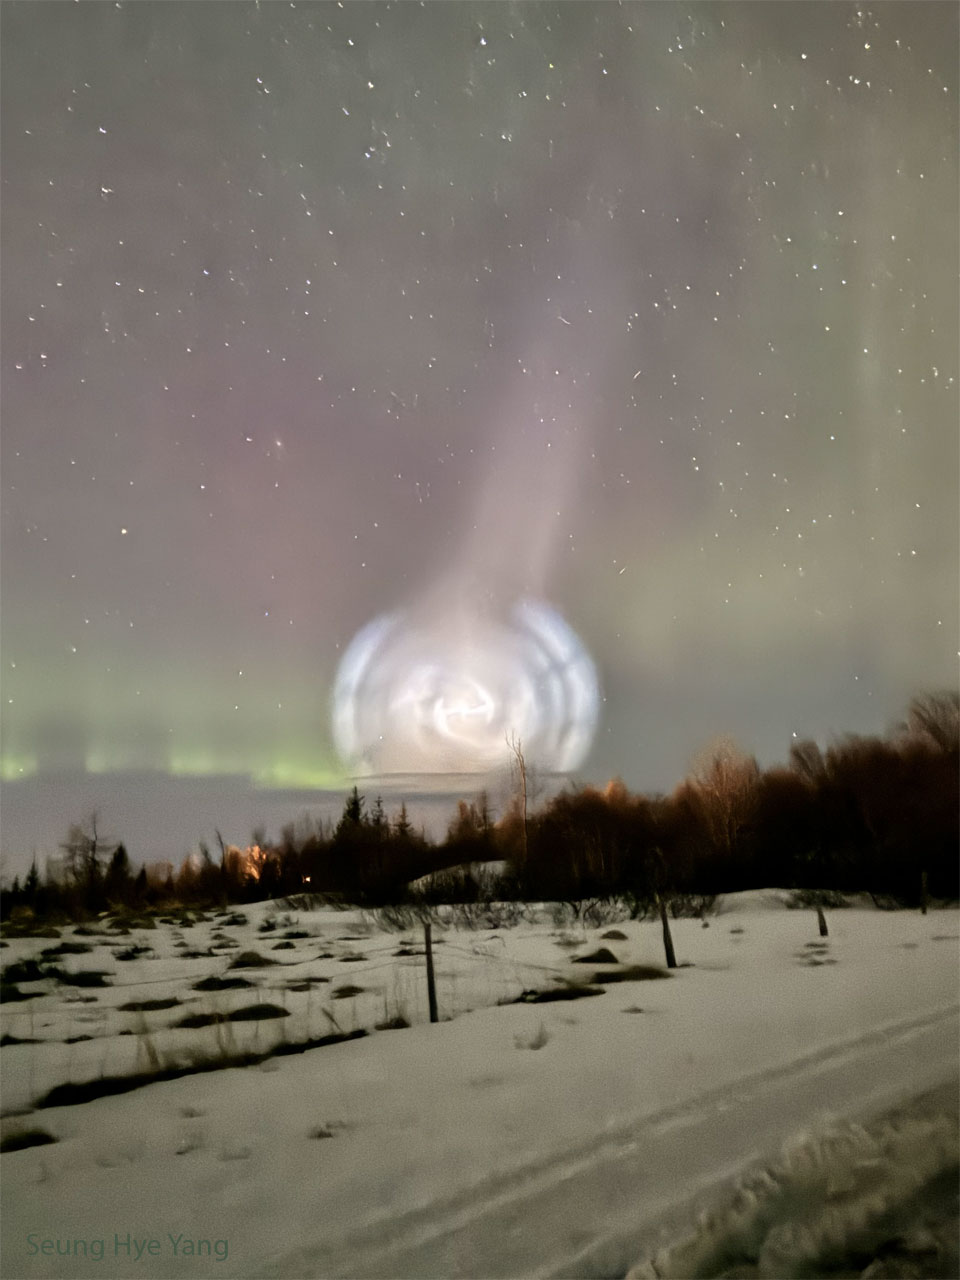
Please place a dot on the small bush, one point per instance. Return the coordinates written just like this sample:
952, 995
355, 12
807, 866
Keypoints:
886, 902
590, 913
403, 917
805, 898
491, 916
686, 906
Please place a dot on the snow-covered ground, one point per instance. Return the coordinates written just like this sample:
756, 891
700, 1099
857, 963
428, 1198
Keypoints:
523, 1139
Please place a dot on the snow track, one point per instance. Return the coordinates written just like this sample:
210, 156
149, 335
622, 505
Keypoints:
589, 1211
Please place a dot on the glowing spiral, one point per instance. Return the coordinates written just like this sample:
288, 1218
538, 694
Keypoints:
429, 696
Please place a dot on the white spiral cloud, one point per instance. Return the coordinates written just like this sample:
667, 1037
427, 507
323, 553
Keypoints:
422, 695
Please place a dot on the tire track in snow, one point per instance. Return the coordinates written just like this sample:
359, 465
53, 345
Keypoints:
584, 1210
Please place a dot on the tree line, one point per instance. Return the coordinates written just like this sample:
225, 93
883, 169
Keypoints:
868, 814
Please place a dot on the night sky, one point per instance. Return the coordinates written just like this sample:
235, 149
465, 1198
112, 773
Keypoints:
318, 312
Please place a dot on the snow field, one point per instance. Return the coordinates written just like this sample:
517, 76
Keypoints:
432, 1132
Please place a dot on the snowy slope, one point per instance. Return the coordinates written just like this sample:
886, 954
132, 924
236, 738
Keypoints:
516, 1140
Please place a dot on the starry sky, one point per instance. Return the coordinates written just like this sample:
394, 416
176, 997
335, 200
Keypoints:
314, 310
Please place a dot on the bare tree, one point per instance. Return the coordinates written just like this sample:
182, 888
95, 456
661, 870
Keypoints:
935, 717
806, 760
83, 849
727, 778
519, 764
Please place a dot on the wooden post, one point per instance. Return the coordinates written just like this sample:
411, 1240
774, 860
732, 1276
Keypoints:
431, 981
667, 939
822, 922
660, 880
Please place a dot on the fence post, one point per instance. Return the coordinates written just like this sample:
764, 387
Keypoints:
431, 981
667, 939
